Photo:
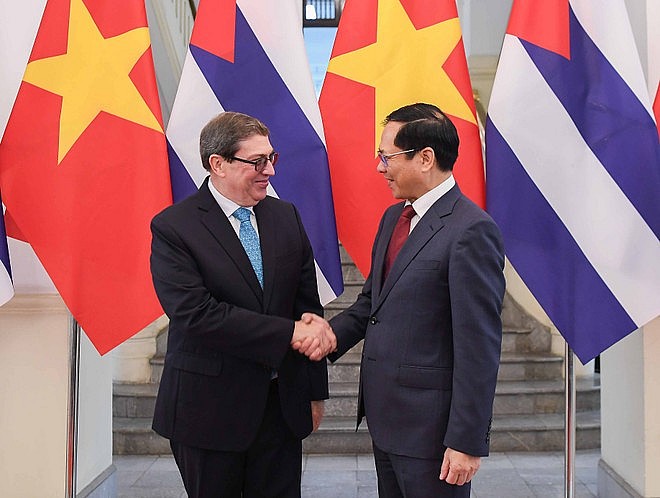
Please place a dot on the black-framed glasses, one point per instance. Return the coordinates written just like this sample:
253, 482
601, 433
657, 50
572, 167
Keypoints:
261, 162
385, 157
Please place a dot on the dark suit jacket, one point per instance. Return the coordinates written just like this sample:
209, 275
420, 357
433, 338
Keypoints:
226, 334
432, 332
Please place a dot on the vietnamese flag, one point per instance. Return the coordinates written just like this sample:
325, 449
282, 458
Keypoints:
387, 54
83, 163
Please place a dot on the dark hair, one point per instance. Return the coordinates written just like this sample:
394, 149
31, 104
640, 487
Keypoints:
223, 134
425, 125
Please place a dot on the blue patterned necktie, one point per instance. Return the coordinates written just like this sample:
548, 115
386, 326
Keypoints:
250, 241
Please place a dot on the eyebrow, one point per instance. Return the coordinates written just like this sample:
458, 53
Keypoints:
256, 156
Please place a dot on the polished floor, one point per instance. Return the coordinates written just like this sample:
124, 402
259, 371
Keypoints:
502, 475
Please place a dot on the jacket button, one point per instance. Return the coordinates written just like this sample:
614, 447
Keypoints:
373, 320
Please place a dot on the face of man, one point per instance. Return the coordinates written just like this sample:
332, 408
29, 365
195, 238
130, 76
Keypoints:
239, 181
402, 174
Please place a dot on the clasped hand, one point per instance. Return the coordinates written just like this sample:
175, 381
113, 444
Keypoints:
313, 337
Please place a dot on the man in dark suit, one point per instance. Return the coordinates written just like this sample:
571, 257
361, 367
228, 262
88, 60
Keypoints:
429, 317
234, 272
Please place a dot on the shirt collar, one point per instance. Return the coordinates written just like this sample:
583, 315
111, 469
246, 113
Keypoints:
424, 203
227, 205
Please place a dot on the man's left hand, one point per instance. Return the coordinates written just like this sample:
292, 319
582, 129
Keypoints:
318, 408
458, 468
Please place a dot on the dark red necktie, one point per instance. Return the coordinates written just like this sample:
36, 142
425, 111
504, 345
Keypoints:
399, 236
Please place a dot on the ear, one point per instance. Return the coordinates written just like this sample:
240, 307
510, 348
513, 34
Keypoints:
217, 164
427, 157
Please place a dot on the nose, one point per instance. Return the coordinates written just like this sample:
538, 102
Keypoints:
380, 167
269, 170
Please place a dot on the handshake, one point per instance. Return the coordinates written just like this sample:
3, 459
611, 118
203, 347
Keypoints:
313, 337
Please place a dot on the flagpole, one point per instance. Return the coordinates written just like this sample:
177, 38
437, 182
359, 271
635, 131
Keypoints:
72, 408
569, 424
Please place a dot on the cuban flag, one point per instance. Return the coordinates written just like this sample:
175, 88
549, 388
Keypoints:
573, 169
6, 287
249, 56
19, 22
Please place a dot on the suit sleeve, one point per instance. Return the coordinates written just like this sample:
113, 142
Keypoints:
307, 300
220, 325
350, 325
476, 286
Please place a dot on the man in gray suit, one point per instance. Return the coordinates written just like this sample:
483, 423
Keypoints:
429, 314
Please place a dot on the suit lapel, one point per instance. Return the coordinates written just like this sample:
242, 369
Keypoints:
430, 224
214, 219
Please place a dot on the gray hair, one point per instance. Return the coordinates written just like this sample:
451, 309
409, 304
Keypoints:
223, 134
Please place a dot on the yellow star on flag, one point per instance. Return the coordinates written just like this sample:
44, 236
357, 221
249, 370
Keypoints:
93, 76
404, 65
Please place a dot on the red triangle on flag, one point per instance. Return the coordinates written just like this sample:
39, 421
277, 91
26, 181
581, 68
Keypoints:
544, 24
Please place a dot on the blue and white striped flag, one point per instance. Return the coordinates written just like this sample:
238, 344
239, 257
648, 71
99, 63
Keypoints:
573, 169
6, 286
19, 22
249, 56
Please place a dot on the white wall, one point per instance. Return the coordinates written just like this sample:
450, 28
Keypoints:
630, 404
34, 366
95, 414
27, 272
34, 372
170, 25
483, 23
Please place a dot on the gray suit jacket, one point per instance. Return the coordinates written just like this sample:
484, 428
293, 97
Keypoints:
432, 332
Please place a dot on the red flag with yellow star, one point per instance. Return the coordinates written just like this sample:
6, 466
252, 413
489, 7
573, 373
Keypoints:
83, 163
387, 54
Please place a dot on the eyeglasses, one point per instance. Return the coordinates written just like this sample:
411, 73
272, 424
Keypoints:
259, 163
385, 157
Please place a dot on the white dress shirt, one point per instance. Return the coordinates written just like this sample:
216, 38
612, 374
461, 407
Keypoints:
229, 207
424, 203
